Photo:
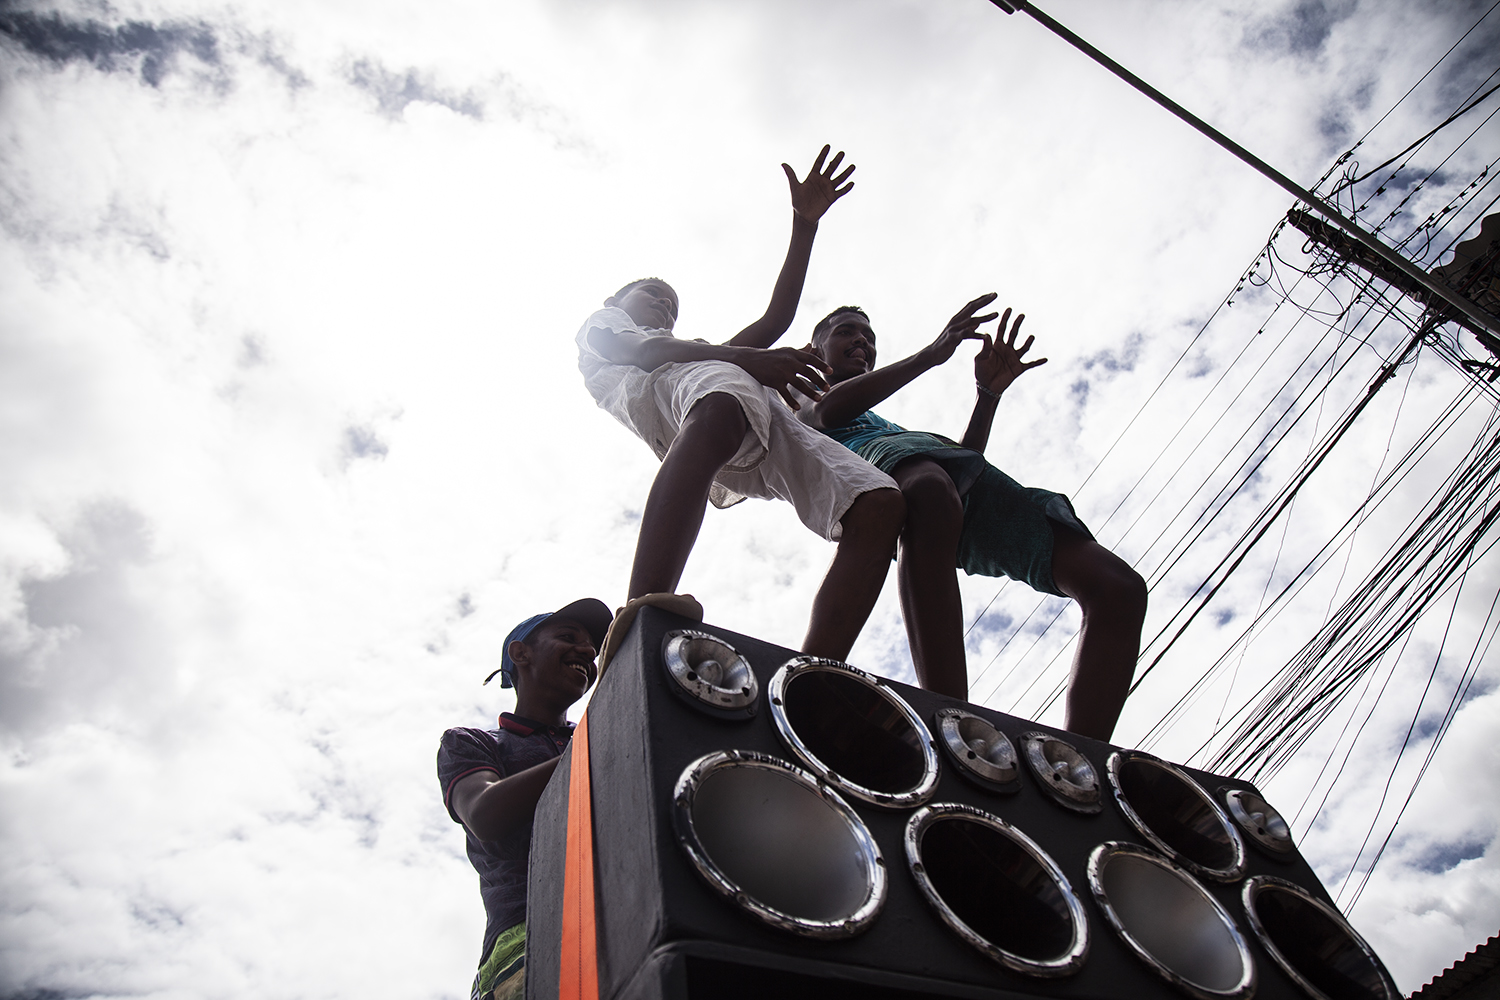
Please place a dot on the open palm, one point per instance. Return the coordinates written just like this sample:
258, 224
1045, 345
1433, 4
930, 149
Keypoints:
813, 196
1000, 362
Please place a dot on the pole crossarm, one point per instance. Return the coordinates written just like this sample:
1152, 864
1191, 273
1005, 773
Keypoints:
1340, 246
1436, 289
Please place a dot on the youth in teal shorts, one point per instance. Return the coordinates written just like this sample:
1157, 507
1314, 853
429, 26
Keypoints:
1007, 527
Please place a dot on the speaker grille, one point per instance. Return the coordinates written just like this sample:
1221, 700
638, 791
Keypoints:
1313, 944
854, 732
710, 674
997, 889
1263, 825
779, 843
1064, 773
1173, 811
982, 752
1166, 916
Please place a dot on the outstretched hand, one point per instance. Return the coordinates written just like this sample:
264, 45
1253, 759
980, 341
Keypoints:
786, 368
813, 196
1000, 362
963, 326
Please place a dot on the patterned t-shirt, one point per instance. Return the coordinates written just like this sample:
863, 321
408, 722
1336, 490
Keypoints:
862, 430
501, 864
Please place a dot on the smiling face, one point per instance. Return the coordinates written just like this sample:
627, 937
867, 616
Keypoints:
652, 304
848, 346
554, 666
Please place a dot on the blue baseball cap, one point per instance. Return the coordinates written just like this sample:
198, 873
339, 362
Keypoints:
594, 615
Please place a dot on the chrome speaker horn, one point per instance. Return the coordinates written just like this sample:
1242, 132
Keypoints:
997, 889
1313, 943
1062, 771
1176, 815
852, 731
1169, 919
779, 843
709, 674
983, 753
1262, 824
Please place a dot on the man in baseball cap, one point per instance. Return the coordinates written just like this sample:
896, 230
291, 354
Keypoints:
492, 779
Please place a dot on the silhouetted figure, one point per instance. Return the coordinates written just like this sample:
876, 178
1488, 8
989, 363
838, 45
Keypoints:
962, 511
492, 779
711, 414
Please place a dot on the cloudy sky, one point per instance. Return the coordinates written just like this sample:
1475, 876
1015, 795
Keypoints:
292, 432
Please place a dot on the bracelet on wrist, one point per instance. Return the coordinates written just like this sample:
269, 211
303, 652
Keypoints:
986, 390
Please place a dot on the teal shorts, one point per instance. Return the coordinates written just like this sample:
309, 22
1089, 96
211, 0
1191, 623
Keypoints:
1008, 528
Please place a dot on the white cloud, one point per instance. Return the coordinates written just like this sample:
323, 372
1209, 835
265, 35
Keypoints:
293, 433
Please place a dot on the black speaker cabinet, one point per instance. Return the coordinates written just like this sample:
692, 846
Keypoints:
767, 825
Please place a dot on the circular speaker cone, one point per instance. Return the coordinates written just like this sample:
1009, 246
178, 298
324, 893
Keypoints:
1261, 823
779, 843
981, 751
1169, 919
854, 732
1313, 943
1062, 771
997, 889
710, 673
1175, 814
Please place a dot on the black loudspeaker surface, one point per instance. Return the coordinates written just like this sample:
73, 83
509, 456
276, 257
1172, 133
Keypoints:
666, 932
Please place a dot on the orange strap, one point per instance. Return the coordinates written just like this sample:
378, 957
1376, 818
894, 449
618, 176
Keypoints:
578, 975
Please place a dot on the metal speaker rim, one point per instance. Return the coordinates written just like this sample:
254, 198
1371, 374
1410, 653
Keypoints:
683, 793
1236, 870
1066, 964
1029, 747
1257, 884
975, 768
1101, 855
703, 695
800, 665
1280, 848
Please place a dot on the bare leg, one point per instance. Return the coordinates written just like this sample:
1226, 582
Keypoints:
842, 605
710, 435
1112, 597
930, 601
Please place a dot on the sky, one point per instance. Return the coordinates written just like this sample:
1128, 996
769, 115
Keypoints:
292, 432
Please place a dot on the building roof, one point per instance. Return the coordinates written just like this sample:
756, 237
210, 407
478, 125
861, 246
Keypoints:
1475, 976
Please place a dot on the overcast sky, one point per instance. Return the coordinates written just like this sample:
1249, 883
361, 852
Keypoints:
292, 432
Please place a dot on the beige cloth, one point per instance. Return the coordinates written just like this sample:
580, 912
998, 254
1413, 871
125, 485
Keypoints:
781, 457
811, 471
679, 604
652, 405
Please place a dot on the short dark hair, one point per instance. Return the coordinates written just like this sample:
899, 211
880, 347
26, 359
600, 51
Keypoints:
625, 289
826, 323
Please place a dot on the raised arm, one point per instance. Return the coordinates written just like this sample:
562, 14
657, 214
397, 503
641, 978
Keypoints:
850, 397
996, 366
783, 369
810, 199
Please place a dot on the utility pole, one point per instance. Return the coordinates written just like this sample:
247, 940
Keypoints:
1436, 289
1479, 275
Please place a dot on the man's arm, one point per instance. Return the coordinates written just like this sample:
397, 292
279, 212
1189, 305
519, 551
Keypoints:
996, 366
810, 199
782, 369
492, 806
851, 397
